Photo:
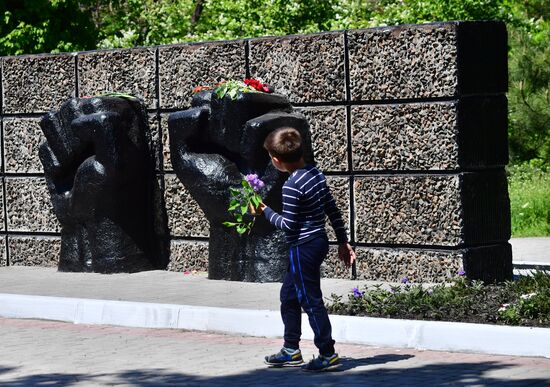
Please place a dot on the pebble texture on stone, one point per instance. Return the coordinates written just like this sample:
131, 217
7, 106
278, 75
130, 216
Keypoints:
420, 210
2, 226
306, 68
34, 251
35, 84
328, 136
28, 205
418, 136
188, 256
124, 71
22, 137
3, 256
339, 187
183, 67
166, 162
332, 267
185, 217
403, 62
393, 265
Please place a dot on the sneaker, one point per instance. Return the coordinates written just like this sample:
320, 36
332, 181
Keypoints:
323, 363
285, 357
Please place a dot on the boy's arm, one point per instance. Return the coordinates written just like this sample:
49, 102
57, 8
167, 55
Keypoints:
288, 220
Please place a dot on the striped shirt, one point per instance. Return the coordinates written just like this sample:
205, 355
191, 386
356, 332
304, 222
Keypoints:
306, 201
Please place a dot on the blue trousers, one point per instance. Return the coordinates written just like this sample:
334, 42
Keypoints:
302, 289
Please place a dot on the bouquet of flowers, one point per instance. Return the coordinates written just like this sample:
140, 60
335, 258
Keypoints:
242, 199
232, 88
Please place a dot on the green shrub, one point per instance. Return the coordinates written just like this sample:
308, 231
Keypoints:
525, 301
529, 189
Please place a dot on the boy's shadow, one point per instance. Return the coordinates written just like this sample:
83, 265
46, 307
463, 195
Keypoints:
349, 363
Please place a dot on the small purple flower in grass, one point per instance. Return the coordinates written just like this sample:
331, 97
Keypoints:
461, 273
405, 280
357, 293
255, 182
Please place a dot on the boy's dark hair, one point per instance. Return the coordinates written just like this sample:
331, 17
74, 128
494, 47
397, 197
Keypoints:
285, 144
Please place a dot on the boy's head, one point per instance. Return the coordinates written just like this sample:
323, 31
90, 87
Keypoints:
285, 144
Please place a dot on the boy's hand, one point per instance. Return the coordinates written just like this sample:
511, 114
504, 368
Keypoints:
346, 254
256, 211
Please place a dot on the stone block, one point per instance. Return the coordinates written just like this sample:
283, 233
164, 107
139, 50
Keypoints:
22, 138
306, 68
28, 205
154, 127
340, 189
432, 210
3, 255
333, 267
428, 61
183, 67
394, 264
34, 84
34, 250
487, 263
188, 256
328, 136
2, 226
466, 133
185, 217
166, 161
131, 71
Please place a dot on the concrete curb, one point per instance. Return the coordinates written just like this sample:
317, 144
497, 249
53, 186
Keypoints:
430, 335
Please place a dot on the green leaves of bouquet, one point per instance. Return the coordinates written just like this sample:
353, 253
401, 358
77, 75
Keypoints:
243, 199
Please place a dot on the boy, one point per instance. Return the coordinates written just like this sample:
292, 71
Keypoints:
306, 201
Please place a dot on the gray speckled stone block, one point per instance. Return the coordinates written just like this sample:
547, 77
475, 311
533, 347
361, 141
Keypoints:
188, 256
185, 217
340, 189
28, 205
154, 127
439, 210
37, 83
34, 250
167, 162
127, 71
405, 136
466, 133
332, 267
3, 256
183, 67
431, 60
22, 138
2, 228
329, 137
384, 264
306, 68
424, 210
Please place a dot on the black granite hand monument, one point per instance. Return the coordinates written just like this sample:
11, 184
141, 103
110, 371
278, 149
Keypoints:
213, 145
100, 174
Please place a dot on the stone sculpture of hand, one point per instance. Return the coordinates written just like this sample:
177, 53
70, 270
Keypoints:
213, 145
100, 174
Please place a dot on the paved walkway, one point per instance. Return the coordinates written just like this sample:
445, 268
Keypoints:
40, 353
531, 250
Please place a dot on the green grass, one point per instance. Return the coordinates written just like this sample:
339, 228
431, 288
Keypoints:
529, 189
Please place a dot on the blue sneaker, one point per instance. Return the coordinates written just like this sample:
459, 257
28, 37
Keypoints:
285, 357
323, 363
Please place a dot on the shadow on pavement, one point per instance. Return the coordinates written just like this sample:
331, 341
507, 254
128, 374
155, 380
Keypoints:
357, 372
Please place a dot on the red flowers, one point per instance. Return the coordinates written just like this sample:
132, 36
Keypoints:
256, 84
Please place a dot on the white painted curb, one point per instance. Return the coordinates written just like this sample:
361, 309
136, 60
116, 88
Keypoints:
431, 335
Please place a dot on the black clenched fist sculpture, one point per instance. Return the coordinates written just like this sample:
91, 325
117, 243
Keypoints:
99, 169
213, 145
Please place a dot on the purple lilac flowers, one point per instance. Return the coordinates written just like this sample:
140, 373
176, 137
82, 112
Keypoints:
255, 182
357, 293
405, 280
461, 273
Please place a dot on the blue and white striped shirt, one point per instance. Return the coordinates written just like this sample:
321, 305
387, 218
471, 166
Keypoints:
306, 201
